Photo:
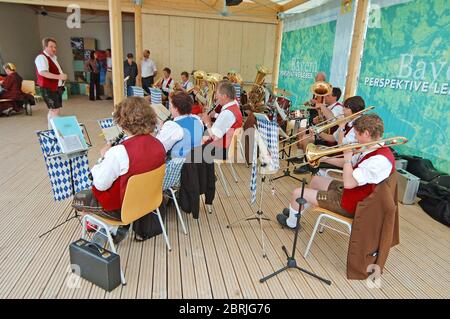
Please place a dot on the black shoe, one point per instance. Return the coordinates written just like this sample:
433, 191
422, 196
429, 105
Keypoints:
109, 98
91, 99
99, 99
282, 219
286, 212
120, 235
302, 170
296, 160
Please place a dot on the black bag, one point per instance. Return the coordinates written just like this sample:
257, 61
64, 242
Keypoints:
422, 168
435, 202
148, 226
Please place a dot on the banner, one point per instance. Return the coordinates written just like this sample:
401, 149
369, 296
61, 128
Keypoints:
405, 74
304, 52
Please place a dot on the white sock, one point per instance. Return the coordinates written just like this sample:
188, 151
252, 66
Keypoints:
293, 213
49, 116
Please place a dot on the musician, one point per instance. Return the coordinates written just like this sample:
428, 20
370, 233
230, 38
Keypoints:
130, 70
346, 133
11, 90
167, 83
186, 85
200, 98
361, 173
50, 78
148, 71
185, 131
139, 153
229, 119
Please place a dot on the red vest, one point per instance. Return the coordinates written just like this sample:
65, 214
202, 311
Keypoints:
225, 141
351, 197
47, 83
145, 153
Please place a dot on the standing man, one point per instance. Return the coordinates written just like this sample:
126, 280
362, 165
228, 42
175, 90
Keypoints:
50, 78
109, 77
148, 71
130, 70
93, 66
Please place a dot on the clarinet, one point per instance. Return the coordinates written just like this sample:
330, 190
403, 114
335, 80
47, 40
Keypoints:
114, 142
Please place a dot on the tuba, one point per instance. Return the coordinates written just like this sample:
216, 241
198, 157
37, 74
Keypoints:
261, 74
199, 76
321, 89
235, 77
212, 79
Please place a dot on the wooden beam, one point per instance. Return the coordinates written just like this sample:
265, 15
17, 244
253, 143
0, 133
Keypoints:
115, 27
138, 40
354, 64
269, 4
293, 4
277, 55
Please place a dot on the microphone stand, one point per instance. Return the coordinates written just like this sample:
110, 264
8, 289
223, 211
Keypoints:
291, 262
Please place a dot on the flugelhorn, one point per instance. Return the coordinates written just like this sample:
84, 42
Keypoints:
323, 126
314, 153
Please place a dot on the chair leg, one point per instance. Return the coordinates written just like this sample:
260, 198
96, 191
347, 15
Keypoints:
233, 172
178, 210
166, 238
224, 182
312, 236
322, 227
242, 152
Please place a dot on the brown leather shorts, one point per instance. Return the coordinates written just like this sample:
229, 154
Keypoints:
331, 199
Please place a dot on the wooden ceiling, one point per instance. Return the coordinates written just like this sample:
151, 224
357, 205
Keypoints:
249, 10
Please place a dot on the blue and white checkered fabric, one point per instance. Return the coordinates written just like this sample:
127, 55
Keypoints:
156, 96
269, 133
237, 88
136, 91
106, 123
173, 173
253, 179
58, 168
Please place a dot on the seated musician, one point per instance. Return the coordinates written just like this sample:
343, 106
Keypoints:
229, 119
200, 98
185, 131
320, 77
167, 83
139, 153
11, 90
186, 85
361, 173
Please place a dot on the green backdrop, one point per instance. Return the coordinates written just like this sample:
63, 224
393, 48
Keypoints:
405, 74
304, 52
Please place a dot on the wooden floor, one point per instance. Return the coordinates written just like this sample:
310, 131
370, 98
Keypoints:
212, 261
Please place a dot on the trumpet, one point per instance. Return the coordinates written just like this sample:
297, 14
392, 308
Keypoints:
314, 153
325, 125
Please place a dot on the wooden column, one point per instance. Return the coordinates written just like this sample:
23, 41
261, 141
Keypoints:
115, 29
138, 39
277, 56
354, 63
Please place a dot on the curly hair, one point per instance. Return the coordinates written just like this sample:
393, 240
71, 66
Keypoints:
135, 115
371, 123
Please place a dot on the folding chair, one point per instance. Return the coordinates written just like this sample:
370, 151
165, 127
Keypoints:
172, 183
143, 195
235, 142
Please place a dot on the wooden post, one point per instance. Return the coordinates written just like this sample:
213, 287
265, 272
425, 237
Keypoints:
138, 39
354, 63
115, 27
277, 56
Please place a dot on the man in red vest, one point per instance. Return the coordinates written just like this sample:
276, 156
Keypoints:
50, 77
139, 153
361, 173
228, 120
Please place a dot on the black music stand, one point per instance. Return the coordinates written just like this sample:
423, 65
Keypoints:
291, 262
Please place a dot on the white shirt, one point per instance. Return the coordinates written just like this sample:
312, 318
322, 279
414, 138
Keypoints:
349, 138
187, 85
109, 63
42, 64
115, 163
164, 85
373, 170
224, 121
172, 132
148, 68
337, 109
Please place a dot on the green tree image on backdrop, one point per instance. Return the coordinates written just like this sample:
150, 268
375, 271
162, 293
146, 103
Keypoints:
405, 74
305, 52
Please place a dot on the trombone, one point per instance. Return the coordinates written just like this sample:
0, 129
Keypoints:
314, 153
331, 122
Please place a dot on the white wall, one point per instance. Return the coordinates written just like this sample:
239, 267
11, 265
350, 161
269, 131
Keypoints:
96, 27
19, 37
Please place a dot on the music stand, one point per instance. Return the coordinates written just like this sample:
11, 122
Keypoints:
266, 167
68, 174
291, 262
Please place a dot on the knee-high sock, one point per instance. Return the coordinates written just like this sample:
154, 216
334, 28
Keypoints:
292, 220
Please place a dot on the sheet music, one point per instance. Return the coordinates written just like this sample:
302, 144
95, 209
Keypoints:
161, 111
111, 133
73, 144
